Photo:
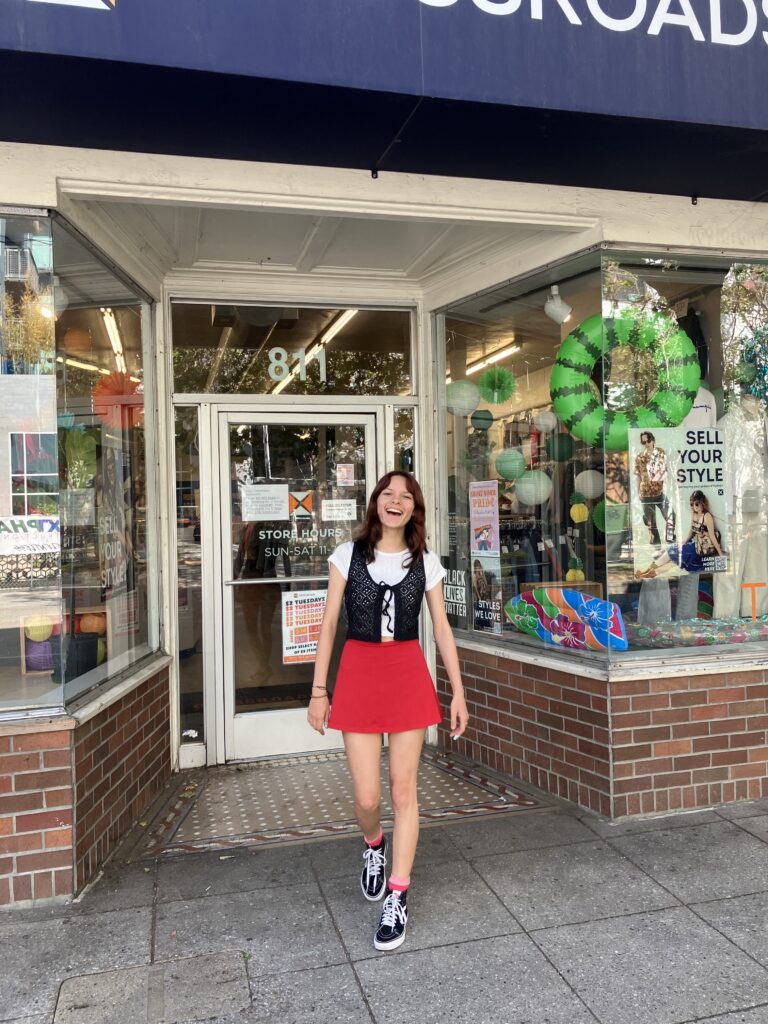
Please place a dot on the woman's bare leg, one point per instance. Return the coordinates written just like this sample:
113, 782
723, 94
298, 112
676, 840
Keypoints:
364, 760
404, 755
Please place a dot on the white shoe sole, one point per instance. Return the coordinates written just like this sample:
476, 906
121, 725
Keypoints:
384, 946
374, 899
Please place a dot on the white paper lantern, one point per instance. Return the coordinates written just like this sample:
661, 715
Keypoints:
545, 421
533, 487
462, 397
590, 483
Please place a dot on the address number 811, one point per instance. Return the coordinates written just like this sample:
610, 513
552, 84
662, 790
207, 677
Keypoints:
279, 368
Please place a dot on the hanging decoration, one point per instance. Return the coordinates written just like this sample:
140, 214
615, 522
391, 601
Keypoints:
545, 421
510, 463
579, 511
598, 516
560, 447
117, 401
573, 392
462, 397
497, 385
482, 419
591, 483
533, 488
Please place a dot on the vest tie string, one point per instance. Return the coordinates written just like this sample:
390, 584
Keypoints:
387, 595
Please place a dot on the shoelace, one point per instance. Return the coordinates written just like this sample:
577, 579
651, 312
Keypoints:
392, 911
374, 863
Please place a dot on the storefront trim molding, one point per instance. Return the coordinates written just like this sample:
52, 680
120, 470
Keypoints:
110, 693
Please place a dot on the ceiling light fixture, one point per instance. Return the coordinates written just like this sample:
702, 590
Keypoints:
113, 332
493, 357
556, 307
320, 342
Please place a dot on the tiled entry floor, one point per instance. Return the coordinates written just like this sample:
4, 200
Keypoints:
308, 796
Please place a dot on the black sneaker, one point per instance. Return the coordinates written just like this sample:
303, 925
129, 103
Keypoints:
394, 917
373, 879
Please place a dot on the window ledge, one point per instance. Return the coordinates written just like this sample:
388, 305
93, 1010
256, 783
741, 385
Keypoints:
110, 691
666, 664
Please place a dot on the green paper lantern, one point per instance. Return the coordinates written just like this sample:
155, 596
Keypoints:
497, 385
598, 516
510, 463
462, 397
560, 447
482, 419
533, 487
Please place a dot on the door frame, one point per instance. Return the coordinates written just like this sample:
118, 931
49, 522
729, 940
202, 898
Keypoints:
278, 732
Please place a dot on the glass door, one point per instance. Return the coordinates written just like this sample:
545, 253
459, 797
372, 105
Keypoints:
293, 486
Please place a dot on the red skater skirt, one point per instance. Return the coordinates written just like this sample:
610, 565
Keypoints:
384, 687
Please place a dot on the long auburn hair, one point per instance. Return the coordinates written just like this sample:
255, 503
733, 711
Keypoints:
371, 531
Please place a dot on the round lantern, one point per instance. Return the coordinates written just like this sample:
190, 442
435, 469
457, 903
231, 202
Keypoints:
533, 487
482, 419
462, 397
117, 402
545, 421
93, 622
510, 463
38, 628
560, 447
38, 656
76, 341
590, 483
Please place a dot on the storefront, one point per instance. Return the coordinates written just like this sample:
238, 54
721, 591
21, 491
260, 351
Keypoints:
209, 357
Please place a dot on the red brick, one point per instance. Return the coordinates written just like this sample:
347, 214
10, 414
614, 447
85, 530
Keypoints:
728, 725
664, 685
748, 739
42, 884
5, 744
630, 721
727, 693
738, 771
22, 887
747, 707
56, 838
652, 734
62, 882
700, 714
755, 692
757, 754
42, 780
42, 741
633, 753
634, 785
11, 763
688, 698
46, 819
58, 797
57, 758
671, 779
670, 716
664, 748
710, 775
26, 841
650, 703
634, 686
688, 761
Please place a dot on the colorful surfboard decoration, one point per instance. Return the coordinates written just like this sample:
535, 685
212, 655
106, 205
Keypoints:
568, 619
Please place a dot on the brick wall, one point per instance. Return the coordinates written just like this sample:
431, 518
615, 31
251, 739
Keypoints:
35, 814
540, 725
69, 791
689, 742
618, 748
122, 760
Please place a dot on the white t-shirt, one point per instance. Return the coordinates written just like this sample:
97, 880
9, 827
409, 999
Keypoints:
703, 412
387, 567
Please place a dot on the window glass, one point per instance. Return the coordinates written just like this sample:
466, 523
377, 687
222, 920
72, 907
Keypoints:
103, 467
607, 457
269, 350
685, 499
30, 579
519, 483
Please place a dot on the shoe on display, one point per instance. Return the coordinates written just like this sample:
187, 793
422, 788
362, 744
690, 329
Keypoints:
394, 918
373, 879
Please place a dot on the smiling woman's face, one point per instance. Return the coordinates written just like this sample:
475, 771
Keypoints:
395, 504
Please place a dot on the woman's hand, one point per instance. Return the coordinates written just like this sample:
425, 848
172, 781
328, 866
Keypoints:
317, 713
459, 715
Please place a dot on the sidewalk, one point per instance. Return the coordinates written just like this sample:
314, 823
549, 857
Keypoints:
539, 917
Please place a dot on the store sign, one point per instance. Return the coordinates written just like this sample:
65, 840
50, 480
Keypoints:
29, 535
700, 61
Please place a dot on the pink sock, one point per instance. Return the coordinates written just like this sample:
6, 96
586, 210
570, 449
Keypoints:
398, 884
375, 841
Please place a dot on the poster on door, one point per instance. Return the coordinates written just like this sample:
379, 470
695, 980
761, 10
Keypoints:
302, 615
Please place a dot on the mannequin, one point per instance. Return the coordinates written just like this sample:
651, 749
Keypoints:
746, 443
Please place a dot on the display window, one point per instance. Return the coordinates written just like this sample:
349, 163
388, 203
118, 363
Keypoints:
75, 552
605, 464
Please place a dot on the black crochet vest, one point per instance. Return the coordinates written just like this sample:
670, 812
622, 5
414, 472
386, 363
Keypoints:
366, 600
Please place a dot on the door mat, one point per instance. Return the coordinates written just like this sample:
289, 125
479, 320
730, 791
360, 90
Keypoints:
265, 803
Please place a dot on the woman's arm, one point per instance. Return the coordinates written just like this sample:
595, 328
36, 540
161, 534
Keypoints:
447, 647
317, 712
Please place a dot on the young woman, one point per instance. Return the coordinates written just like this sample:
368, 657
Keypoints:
703, 540
383, 684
